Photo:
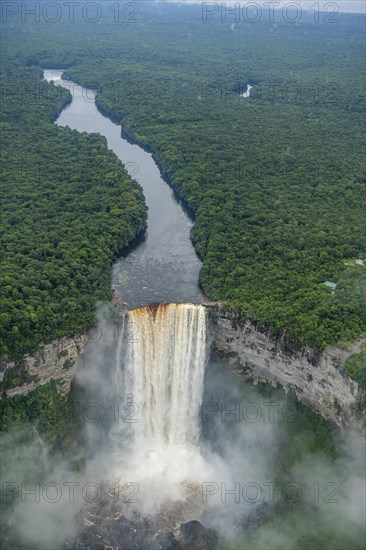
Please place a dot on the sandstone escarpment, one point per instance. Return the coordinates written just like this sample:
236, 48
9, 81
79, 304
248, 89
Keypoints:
316, 378
57, 361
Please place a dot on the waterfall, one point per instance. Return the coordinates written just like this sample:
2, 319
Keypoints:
160, 361
164, 367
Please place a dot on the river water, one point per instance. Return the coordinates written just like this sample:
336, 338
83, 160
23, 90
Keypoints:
164, 267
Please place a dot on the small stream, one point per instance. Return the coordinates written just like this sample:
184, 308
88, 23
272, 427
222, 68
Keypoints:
246, 94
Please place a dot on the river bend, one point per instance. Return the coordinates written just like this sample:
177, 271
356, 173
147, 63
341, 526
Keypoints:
163, 267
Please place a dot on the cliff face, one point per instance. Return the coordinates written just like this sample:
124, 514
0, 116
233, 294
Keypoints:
56, 361
317, 379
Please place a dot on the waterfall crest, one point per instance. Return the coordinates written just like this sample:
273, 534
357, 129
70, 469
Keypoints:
163, 372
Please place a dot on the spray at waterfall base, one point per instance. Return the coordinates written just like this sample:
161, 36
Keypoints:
137, 480
156, 452
161, 374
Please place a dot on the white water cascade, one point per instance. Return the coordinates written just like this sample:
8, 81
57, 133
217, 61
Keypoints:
161, 368
164, 364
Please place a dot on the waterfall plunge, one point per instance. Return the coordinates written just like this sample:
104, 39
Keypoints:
165, 368
160, 364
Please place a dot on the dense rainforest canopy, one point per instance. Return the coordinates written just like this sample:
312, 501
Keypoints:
276, 181
68, 207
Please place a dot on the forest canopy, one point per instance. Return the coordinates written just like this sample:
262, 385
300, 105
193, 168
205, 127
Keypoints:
68, 208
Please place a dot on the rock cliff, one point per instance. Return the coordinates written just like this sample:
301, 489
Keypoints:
317, 379
57, 360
